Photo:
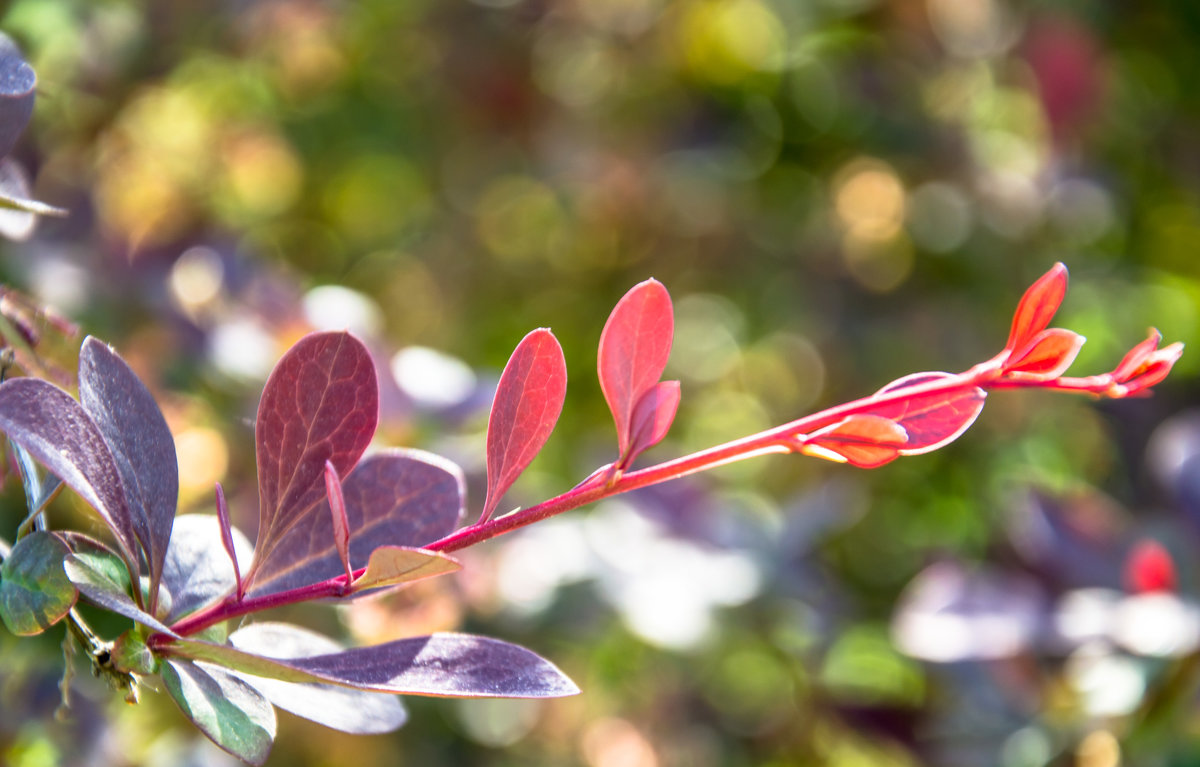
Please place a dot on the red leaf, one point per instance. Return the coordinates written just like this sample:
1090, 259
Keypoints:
634, 347
337, 515
652, 418
321, 403
227, 538
1037, 307
529, 399
1047, 355
865, 441
931, 420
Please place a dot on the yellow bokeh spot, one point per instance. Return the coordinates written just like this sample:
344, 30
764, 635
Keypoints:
203, 459
1098, 748
262, 174
724, 41
521, 219
870, 201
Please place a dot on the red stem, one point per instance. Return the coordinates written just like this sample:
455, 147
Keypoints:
604, 484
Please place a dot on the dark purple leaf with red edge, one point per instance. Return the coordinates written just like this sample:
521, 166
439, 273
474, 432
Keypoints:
652, 419
321, 403
931, 420
529, 399
141, 445
449, 665
1046, 356
395, 497
1037, 307
59, 433
341, 708
865, 441
634, 347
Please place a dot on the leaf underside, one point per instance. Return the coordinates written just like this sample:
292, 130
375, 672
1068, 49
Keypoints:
229, 710
100, 589
341, 708
445, 665
320, 403
197, 569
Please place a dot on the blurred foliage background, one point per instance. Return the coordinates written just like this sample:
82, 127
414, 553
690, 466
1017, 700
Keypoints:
836, 192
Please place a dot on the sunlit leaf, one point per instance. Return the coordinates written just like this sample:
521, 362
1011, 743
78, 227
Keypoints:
15, 224
529, 399
141, 445
98, 586
446, 665
865, 441
392, 565
38, 489
227, 541
35, 593
652, 418
227, 709
1037, 307
341, 708
320, 403
394, 497
197, 569
57, 431
931, 421
634, 347
1047, 355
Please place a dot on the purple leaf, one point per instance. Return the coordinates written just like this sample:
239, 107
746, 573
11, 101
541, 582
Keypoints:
395, 497
529, 399
341, 708
652, 418
141, 445
198, 570
634, 347
445, 665
18, 87
321, 403
57, 431
227, 709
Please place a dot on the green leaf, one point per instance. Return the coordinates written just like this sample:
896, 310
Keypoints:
392, 565
100, 588
229, 711
35, 593
11, 202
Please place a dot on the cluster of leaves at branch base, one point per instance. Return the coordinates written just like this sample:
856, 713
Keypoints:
318, 412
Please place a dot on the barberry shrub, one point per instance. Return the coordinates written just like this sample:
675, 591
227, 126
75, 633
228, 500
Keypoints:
335, 522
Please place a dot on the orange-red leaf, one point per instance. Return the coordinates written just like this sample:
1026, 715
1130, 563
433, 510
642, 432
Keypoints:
1047, 355
865, 441
1037, 307
931, 420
